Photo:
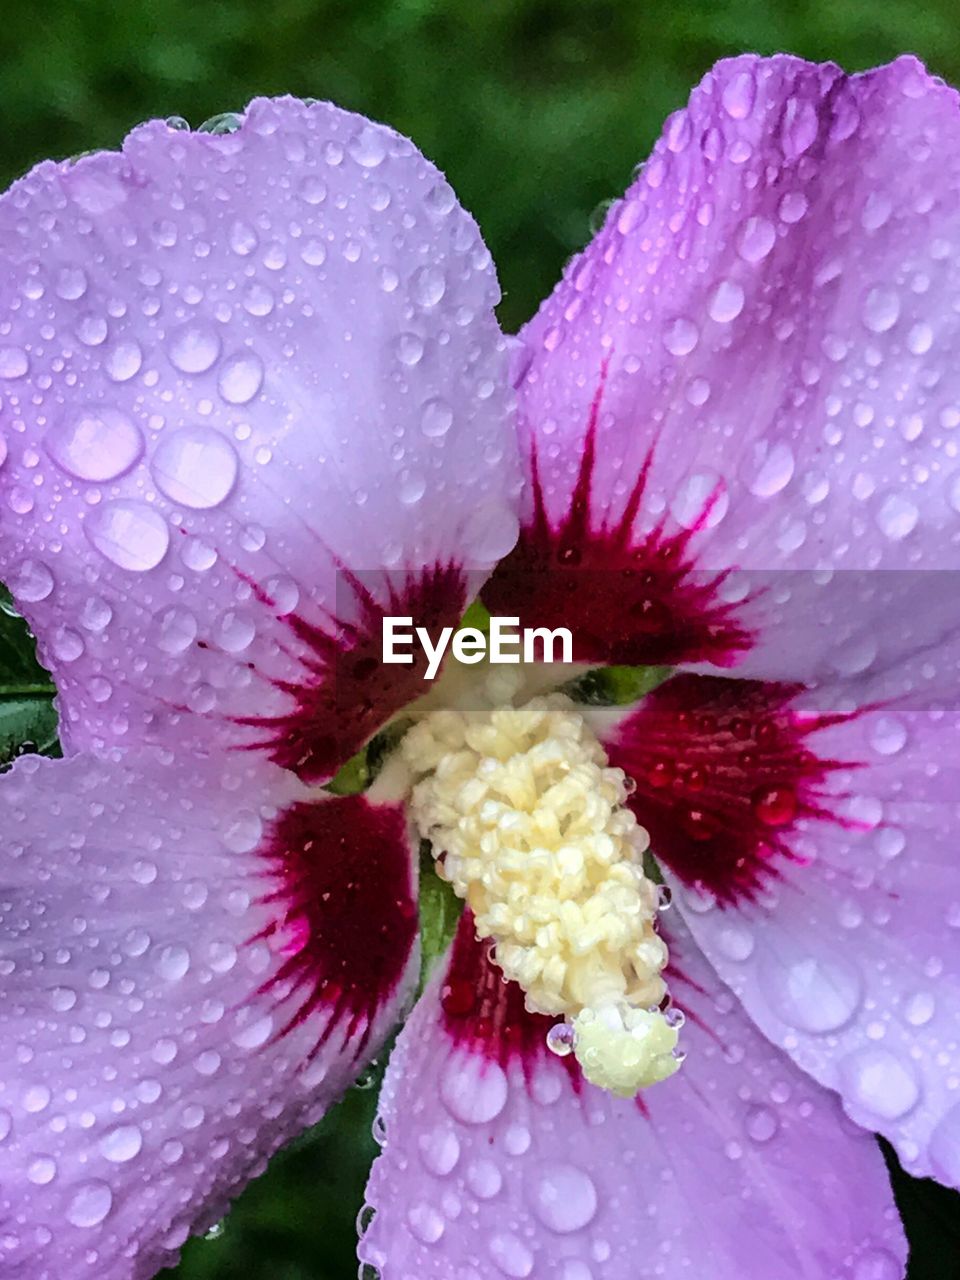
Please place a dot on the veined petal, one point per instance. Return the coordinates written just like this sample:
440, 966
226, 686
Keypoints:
195, 959
746, 385
253, 397
811, 841
499, 1160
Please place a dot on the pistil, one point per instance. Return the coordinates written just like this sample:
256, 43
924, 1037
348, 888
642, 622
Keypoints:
528, 822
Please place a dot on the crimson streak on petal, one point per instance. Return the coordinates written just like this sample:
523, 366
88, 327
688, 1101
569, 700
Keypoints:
346, 693
486, 1014
627, 598
346, 917
723, 776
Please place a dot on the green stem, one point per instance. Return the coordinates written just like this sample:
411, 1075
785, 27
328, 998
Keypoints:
27, 690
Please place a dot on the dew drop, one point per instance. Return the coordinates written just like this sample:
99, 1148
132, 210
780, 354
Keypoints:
511, 1255
439, 1150
241, 378
14, 362
30, 581
42, 1170
175, 629
412, 487
756, 239
897, 516
195, 467
761, 1124
436, 418
429, 286
194, 349
881, 309
173, 963
560, 1039
121, 1144
701, 499
130, 534
770, 468
473, 1089
739, 95
564, 1197
367, 147
123, 362
96, 443
880, 1082
680, 336
89, 1204
409, 349
817, 994
726, 302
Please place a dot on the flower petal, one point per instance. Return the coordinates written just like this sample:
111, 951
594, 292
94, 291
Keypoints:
498, 1160
750, 373
195, 959
243, 377
846, 954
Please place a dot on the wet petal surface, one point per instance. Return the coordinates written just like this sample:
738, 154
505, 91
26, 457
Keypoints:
233, 367
499, 1161
195, 959
739, 403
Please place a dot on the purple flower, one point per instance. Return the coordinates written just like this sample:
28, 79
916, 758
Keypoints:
254, 400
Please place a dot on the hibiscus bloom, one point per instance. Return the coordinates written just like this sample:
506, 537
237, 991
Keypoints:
254, 400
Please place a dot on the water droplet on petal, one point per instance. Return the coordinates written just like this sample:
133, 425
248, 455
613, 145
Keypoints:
564, 1197
727, 302
123, 362
14, 362
473, 1089
429, 286
195, 466
768, 468
30, 581
241, 378
816, 993
680, 336
756, 239
560, 1039
701, 499
194, 349
409, 348
368, 147
90, 1203
436, 418
881, 309
96, 443
121, 1144
739, 95
897, 516
42, 1170
130, 534
880, 1082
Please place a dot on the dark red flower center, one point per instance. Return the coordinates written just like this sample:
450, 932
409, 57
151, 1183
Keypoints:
346, 916
724, 772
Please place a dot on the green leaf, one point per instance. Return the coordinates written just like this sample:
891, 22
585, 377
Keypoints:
440, 911
615, 686
28, 719
26, 724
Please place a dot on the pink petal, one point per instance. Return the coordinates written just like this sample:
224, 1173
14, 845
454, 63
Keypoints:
233, 367
500, 1161
184, 986
752, 368
847, 954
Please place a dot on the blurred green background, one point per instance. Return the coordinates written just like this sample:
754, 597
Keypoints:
537, 110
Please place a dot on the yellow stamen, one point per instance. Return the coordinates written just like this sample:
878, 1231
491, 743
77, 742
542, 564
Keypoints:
528, 822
